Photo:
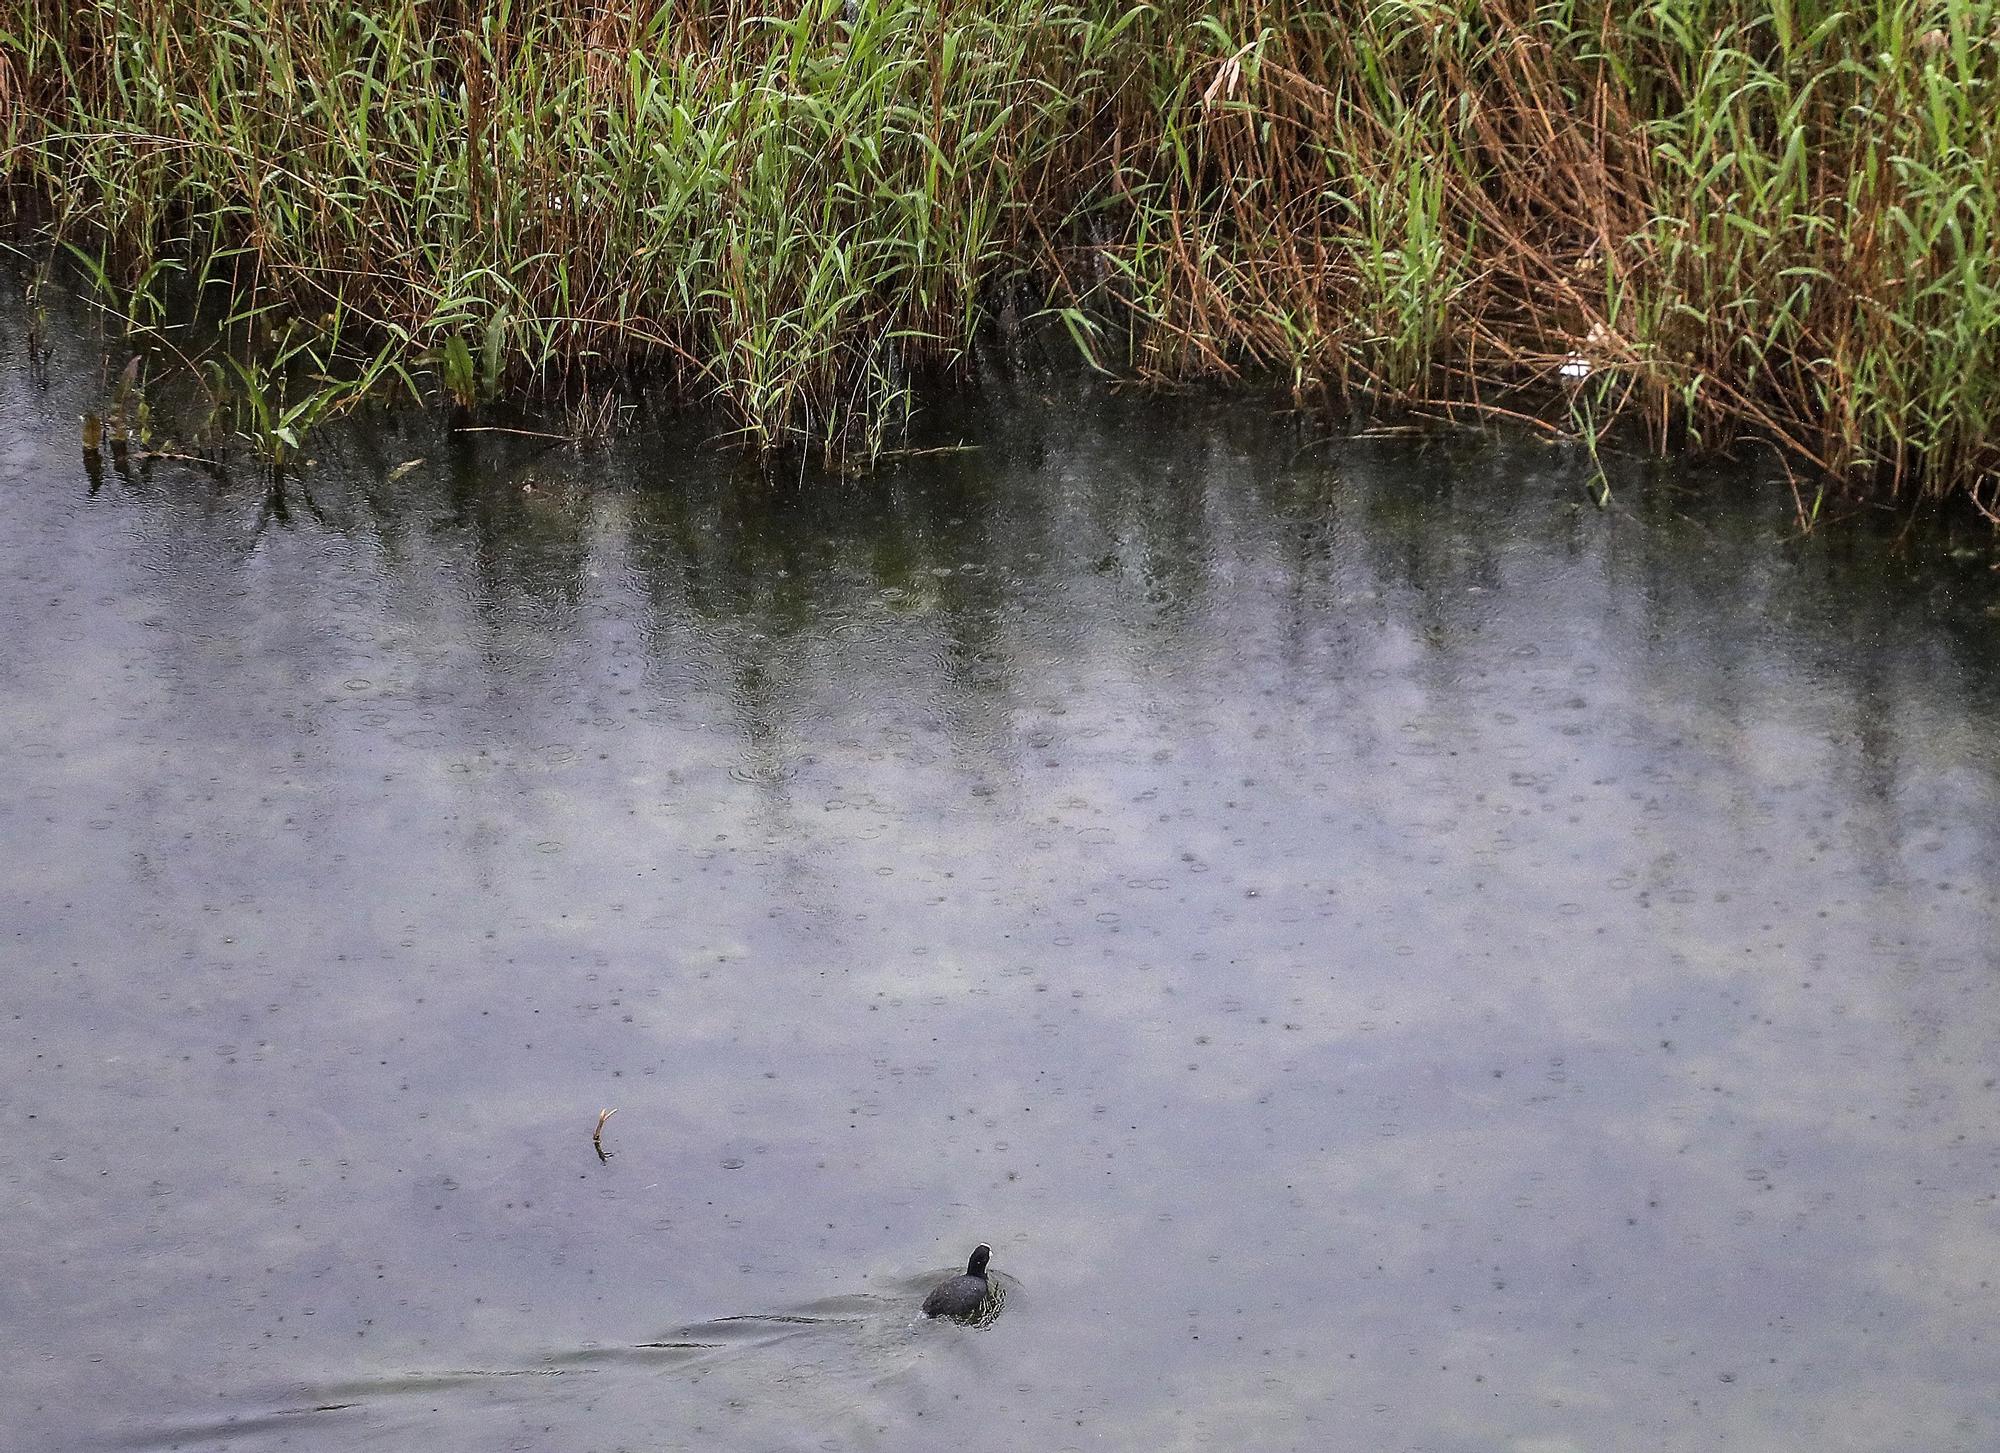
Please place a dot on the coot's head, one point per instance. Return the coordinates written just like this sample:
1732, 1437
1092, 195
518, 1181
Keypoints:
981, 1254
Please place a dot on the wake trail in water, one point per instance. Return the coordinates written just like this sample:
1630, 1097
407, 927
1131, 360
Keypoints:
839, 1363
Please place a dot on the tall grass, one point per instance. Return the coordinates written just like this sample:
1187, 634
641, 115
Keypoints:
1768, 219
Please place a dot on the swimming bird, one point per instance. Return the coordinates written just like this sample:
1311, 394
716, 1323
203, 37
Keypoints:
962, 1296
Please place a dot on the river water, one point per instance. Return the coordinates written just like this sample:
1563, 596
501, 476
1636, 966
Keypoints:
1392, 955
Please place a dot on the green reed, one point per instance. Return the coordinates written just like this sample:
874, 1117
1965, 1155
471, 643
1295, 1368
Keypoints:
1770, 220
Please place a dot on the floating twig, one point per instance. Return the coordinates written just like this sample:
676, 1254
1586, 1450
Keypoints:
597, 1135
521, 433
960, 448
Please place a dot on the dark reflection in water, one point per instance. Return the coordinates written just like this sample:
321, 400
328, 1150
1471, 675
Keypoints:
1393, 956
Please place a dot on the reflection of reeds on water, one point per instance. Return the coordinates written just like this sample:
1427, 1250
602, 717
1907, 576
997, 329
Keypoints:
1708, 215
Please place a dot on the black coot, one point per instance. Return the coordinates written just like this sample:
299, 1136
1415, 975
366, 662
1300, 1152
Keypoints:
962, 1296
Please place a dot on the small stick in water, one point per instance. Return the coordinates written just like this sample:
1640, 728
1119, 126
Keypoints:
597, 1135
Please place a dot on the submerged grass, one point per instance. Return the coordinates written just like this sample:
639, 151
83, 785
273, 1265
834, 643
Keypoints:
1720, 218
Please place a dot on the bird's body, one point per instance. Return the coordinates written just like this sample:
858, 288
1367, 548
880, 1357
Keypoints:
962, 1296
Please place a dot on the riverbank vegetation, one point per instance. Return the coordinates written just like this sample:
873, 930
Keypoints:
1721, 219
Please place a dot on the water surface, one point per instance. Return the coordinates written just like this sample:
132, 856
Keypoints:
1391, 955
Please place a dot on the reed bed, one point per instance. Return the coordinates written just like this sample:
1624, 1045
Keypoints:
1720, 219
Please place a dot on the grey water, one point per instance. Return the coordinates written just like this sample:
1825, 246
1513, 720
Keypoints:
1391, 954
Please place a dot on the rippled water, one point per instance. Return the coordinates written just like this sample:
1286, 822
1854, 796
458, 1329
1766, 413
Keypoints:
1390, 955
